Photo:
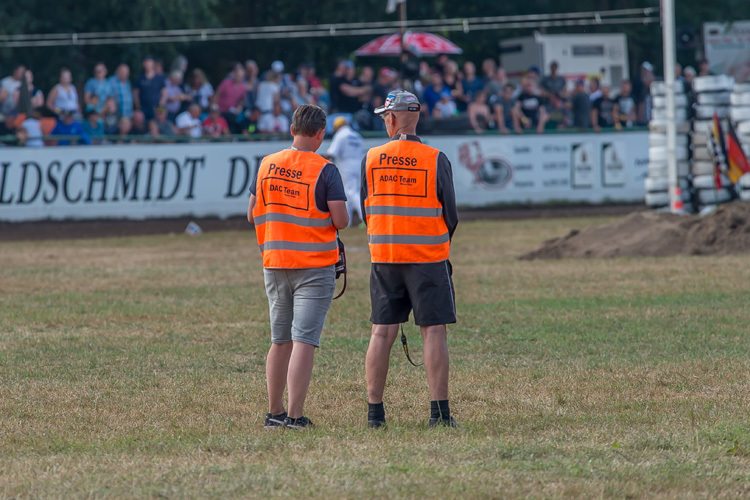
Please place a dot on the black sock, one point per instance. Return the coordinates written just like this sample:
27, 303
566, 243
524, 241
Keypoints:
445, 411
375, 411
434, 409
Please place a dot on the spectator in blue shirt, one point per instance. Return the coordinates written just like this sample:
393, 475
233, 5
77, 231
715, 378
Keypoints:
433, 93
67, 125
150, 91
93, 126
98, 86
470, 85
123, 92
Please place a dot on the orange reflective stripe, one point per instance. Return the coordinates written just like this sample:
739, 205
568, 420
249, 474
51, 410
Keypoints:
404, 216
292, 232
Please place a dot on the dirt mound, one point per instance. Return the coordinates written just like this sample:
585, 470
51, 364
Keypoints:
725, 231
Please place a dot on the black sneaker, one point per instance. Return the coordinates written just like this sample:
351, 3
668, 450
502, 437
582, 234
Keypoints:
274, 421
442, 422
376, 423
300, 423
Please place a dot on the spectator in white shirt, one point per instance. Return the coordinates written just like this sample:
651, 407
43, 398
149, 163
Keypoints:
8, 87
274, 122
189, 122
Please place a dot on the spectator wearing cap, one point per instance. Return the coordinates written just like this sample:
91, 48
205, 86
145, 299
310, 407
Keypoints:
230, 96
92, 125
122, 89
445, 107
161, 125
274, 122
553, 83
63, 96
529, 111
215, 125
189, 122
99, 86
470, 84
68, 125
642, 93
503, 108
581, 106
150, 91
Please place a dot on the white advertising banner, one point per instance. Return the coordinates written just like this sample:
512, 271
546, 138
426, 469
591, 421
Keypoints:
547, 168
727, 49
212, 179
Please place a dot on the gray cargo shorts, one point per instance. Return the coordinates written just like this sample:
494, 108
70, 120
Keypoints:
298, 302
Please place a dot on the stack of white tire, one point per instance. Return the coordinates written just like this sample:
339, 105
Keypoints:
657, 181
740, 116
712, 97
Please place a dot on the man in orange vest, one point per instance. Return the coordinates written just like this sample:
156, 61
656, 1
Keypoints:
297, 203
410, 211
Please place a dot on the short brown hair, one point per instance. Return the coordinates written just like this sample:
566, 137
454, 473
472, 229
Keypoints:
308, 120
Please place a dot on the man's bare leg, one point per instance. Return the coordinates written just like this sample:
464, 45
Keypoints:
435, 340
376, 365
277, 364
299, 374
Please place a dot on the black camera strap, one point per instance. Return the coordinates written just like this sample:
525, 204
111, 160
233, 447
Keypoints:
406, 347
341, 265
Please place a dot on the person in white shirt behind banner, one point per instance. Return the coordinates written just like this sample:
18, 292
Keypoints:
346, 150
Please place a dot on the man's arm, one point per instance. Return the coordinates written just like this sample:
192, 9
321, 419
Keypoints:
339, 215
250, 208
446, 193
363, 189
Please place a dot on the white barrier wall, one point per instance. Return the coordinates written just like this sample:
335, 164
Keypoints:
212, 179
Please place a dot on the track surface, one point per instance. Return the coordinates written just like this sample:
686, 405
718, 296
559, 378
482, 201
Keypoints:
46, 230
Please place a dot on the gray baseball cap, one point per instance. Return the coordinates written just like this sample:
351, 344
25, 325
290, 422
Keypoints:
399, 100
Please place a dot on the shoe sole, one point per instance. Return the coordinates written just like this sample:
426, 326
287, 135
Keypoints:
376, 424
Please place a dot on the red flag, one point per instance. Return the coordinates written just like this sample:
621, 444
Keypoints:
736, 159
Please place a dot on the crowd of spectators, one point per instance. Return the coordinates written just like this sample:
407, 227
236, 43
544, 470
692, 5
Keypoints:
182, 102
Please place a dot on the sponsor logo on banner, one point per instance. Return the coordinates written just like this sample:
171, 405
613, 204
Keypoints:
493, 171
613, 167
582, 168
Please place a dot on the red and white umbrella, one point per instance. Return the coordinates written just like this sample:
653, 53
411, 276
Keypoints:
420, 43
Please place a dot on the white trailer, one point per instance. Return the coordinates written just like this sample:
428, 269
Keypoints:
578, 56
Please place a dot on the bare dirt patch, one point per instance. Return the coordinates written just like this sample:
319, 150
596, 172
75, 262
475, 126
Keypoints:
648, 234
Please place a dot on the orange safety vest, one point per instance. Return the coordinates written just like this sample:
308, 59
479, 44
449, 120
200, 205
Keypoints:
292, 232
404, 216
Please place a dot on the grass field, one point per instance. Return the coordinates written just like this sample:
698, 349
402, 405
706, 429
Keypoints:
134, 367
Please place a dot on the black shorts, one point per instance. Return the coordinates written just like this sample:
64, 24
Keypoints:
396, 289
